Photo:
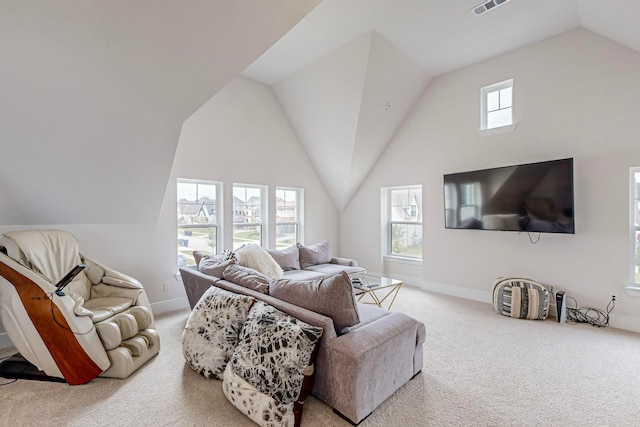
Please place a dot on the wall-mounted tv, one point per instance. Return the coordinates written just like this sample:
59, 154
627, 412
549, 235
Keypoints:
533, 197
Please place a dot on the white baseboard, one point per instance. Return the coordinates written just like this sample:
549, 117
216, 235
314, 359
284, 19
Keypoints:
439, 288
169, 305
626, 323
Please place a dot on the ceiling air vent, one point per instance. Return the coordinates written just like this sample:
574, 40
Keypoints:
487, 6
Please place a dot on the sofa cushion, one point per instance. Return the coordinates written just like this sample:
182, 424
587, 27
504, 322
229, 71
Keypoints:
256, 257
212, 330
268, 376
247, 277
332, 296
331, 269
214, 265
288, 259
318, 253
303, 275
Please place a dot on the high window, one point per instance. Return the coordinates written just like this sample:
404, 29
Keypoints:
497, 105
288, 216
249, 207
198, 208
403, 221
635, 226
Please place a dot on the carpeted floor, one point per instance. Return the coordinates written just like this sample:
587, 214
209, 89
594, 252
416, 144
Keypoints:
481, 369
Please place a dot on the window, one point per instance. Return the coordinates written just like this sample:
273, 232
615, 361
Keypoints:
635, 226
288, 214
248, 214
497, 105
404, 221
197, 218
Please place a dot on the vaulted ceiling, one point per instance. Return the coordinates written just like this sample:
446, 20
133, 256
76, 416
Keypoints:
94, 93
350, 71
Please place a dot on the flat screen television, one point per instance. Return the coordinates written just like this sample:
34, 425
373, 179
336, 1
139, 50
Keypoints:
532, 197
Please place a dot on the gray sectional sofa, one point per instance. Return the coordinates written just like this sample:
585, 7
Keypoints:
357, 367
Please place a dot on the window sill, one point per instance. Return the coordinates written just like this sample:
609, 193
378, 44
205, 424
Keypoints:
499, 130
633, 290
402, 260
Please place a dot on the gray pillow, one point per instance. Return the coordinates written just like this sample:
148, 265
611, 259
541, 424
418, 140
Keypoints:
213, 265
319, 253
287, 259
247, 277
332, 296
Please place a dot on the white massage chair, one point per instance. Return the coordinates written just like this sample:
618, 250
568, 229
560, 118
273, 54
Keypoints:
100, 324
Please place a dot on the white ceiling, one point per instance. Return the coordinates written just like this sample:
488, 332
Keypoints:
443, 35
344, 133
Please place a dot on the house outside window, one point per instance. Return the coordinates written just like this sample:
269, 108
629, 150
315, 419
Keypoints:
249, 207
634, 255
497, 105
288, 216
404, 216
197, 218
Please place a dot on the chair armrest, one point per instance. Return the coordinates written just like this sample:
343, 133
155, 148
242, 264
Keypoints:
344, 261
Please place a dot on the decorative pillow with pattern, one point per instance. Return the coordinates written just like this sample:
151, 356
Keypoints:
268, 376
212, 330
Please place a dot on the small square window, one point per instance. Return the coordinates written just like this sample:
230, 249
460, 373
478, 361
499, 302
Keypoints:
497, 105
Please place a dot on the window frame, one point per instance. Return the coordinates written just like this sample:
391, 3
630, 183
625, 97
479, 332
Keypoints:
634, 226
484, 112
298, 223
218, 206
263, 225
388, 222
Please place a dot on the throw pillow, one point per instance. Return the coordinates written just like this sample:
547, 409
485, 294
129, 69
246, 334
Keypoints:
332, 296
197, 256
319, 253
214, 266
265, 376
212, 330
247, 277
256, 257
287, 259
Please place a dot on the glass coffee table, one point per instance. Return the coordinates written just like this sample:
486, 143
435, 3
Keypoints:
376, 289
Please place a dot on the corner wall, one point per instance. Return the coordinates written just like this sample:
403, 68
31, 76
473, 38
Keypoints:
575, 95
240, 135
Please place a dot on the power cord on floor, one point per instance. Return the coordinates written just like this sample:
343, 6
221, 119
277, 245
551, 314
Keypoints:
591, 316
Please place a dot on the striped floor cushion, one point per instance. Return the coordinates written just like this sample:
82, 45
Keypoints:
521, 298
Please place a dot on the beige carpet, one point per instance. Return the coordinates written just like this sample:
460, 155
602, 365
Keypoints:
481, 369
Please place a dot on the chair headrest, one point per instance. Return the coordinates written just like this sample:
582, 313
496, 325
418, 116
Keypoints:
51, 253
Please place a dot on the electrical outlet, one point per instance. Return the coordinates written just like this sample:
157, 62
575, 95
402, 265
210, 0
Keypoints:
613, 296
165, 287
552, 290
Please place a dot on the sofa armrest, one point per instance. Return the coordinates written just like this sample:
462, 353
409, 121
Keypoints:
344, 261
368, 364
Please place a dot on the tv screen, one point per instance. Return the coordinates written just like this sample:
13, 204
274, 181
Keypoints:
533, 197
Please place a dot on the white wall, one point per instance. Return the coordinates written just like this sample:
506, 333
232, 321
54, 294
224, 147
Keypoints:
575, 95
240, 135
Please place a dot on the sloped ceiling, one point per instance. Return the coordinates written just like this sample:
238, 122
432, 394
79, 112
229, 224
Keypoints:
347, 105
331, 85
94, 95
